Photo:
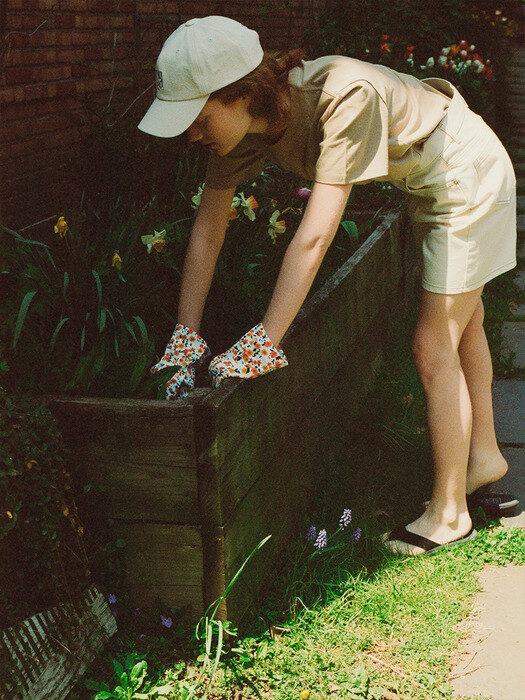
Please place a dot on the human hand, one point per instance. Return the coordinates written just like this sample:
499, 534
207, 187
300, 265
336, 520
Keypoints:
252, 355
185, 349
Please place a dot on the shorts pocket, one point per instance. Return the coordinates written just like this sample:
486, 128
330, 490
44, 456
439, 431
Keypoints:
443, 195
495, 176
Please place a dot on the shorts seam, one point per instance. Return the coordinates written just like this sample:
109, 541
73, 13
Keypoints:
505, 267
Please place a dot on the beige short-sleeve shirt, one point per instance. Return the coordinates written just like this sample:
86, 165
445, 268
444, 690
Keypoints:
350, 122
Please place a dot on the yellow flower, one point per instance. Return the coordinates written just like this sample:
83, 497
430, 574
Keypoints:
117, 260
155, 241
275, 226
197, 198
61, 227
247, 205
9, 514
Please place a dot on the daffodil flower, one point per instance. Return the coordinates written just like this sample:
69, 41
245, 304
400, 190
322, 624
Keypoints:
275, 226
196, 199
155, 241
247, 205
117, 260
61, 227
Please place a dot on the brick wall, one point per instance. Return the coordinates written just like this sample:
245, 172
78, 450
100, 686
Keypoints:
58, 56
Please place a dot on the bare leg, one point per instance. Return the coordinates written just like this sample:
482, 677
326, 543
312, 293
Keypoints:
441, 322
486, 463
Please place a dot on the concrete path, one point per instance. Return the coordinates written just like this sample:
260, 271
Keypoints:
491, 661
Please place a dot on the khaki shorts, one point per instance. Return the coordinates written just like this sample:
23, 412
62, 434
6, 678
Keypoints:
462, 201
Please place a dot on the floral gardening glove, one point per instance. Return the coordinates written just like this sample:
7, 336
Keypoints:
252, 355
185, 349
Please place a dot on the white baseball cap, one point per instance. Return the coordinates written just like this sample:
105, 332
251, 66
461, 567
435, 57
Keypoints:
202, 55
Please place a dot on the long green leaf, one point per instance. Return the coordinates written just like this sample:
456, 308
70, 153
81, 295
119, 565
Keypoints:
131, 331
351, 228
46, 251
110, 314
55, 333
66, 282
24, 306
99, 294
21, 239
142, 326
117, 353
102, 319
83, 334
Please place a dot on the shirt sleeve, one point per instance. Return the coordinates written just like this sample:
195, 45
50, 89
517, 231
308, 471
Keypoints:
354, 137
244, 162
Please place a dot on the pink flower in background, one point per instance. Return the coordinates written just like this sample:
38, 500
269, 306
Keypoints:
302, 193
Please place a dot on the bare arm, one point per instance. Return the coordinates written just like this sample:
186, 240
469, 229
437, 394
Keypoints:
206, 239
304, 255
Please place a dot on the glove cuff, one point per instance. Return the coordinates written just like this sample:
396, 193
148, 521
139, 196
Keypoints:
184, 348
264, 347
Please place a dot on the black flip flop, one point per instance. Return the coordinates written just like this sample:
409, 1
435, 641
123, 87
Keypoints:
491, 503
403, 535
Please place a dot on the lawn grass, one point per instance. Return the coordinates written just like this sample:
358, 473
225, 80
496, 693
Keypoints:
358, 622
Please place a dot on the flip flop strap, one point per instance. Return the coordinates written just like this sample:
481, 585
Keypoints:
490, 498
404, 535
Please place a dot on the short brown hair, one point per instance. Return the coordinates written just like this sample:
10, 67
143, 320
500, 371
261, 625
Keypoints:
263, 86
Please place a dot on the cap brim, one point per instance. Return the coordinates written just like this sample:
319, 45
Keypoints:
165, 118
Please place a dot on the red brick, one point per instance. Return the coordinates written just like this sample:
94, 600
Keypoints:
65, 21
93, 53
80, 70
121, 21
66, 88
101, 5
44, 37
17, 110
68, 55
56, 72
7, 94
17, 75
75, 5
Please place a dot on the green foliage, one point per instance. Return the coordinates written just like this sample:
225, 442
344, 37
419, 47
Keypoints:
41, 537
131, 677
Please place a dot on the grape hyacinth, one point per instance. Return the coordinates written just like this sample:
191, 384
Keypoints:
311, 534
112, 598
166, 621
356, 534
320, 542
345, 518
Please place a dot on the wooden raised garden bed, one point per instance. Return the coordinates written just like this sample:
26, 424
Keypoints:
193, 486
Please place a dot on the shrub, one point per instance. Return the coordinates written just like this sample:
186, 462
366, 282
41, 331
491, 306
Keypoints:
41, 536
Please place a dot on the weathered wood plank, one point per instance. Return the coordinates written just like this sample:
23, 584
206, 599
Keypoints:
160, 555
139, 491
182, 598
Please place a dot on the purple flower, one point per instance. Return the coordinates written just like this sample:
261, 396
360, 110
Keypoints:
112, 598
166, 621
311, 534
302, 193
320, 542
345, 518
356, 534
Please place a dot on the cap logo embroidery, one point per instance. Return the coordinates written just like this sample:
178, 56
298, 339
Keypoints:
158, 79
